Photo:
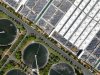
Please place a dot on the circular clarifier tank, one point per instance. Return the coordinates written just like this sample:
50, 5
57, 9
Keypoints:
35, 55
15, 72
8, 32
61, 69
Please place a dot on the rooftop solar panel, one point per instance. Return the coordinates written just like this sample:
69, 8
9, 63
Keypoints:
97, 52
92, 45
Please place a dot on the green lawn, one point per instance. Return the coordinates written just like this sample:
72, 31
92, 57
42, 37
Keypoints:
2, 15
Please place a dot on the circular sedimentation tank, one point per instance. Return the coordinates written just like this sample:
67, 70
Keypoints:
35, 55
61, 69
15, 72
8, 32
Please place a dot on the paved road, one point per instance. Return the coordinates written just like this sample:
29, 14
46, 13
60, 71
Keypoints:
31, 30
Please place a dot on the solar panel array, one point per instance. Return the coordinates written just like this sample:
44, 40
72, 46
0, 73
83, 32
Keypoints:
32, 8
53, 14
13, 3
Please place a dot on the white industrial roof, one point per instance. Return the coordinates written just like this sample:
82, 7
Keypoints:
94, 11
77, 2
80, 30
83, 4
71, 20
90, 5
90, 37
64, 19
17, 0
97, 17
76, 25
85, 33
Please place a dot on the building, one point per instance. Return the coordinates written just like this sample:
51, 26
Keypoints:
73, 23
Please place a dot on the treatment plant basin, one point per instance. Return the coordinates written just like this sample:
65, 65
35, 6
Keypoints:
61, 69
35, 55
15, 72
8, 32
